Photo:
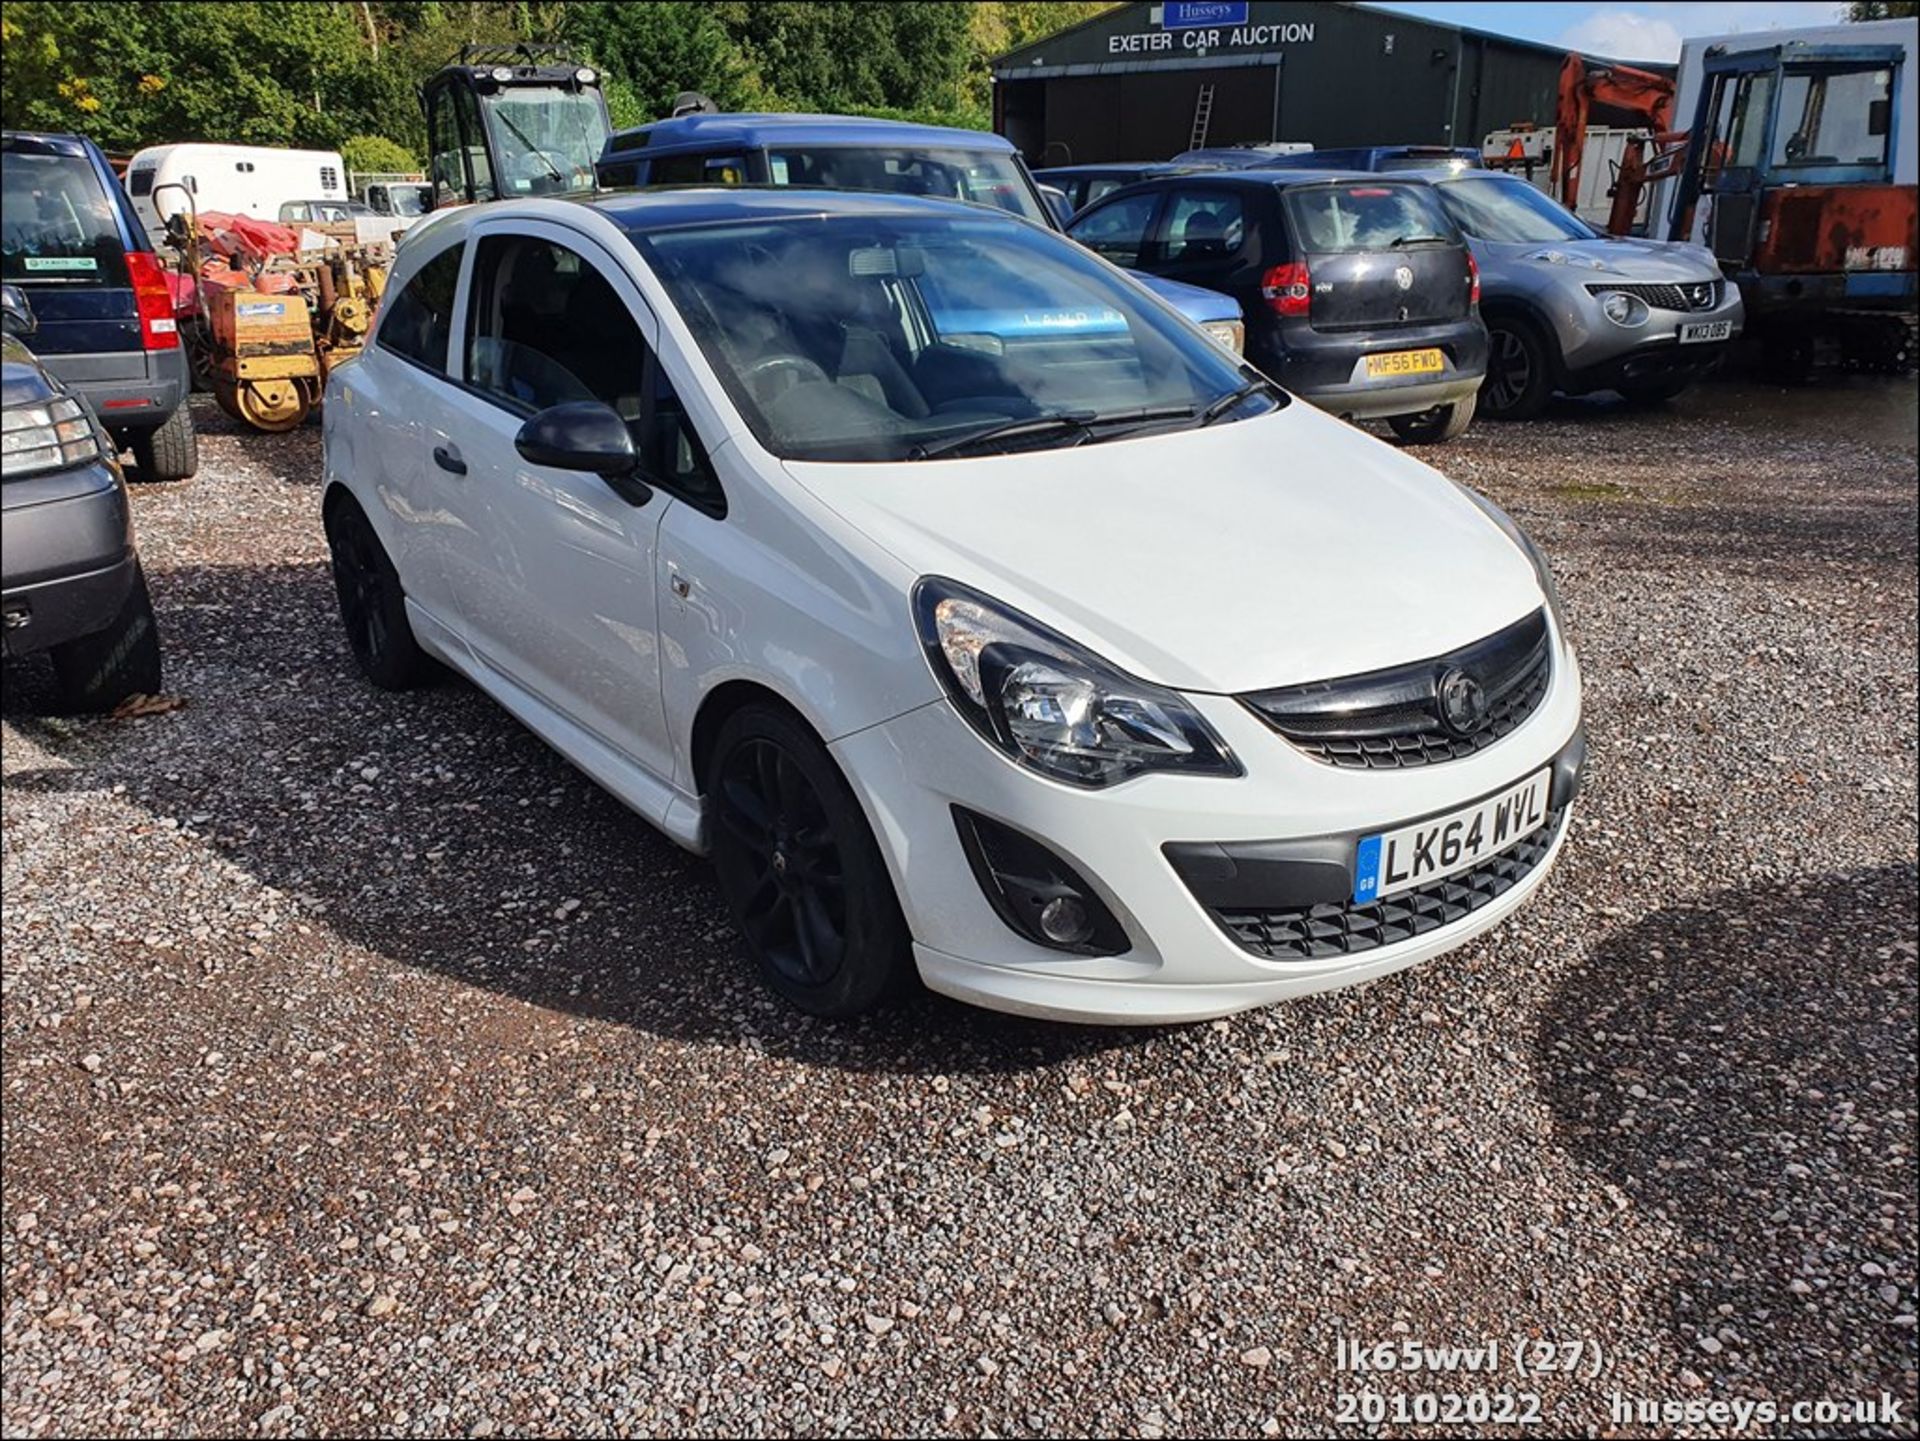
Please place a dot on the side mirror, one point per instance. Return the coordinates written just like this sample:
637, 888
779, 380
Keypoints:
585, 435
16, 316
1058, 203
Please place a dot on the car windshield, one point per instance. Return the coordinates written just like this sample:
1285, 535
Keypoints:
1493, 207
983, 177
860, 338
1334, 219
56, 223
547, 139
408, 199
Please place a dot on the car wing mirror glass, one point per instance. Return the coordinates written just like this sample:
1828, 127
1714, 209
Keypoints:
16, 316
589, 436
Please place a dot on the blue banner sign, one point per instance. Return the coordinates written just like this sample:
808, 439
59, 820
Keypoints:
1195, 14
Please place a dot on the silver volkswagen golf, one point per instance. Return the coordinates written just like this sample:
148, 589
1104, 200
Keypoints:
1572, 310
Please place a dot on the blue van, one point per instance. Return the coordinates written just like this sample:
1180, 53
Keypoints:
846, 152
70, 240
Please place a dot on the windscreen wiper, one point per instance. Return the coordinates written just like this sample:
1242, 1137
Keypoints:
1074, 422
1227, 403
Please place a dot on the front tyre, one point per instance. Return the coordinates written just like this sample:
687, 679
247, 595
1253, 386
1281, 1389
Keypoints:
96, 672
802, 874
1519, 379
373, 604
1436, 426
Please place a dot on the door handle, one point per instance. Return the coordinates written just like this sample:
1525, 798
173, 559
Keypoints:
448, 459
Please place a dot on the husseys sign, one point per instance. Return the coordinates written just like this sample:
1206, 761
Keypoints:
1201, 25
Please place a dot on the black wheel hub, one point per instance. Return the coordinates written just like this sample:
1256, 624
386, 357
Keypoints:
777, 846
362, 590
1509, 370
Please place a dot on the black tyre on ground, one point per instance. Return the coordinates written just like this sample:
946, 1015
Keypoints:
169, 452
802, 874
96, 672
1436, 426
373, 604
1653, 392
1519, 379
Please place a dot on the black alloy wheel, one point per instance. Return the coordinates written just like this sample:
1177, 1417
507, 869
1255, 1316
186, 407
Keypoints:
795, 904
803, 877
373, 604
1518, 383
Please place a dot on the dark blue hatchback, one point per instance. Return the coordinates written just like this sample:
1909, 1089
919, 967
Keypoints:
70, 240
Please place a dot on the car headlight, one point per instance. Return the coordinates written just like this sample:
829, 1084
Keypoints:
52, 436
1541, 570
1560, 257
1624, 309
1050, 704
1230, 333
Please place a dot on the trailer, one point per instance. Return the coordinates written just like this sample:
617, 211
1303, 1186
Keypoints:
250, 180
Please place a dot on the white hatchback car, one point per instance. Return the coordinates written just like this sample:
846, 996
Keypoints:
973, 610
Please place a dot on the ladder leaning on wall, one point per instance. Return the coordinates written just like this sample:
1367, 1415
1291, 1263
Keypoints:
1202, 117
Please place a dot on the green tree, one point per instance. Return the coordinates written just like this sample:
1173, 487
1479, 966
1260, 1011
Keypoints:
1883, 9
370, 154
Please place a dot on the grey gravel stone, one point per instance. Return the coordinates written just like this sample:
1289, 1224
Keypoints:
477, 1159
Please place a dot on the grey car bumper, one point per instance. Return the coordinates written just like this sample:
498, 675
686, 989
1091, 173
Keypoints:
66, 557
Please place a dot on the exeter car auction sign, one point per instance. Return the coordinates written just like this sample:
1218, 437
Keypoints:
1204, 25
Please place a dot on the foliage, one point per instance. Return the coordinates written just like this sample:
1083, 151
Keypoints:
329, 74
375, 154
1883, 9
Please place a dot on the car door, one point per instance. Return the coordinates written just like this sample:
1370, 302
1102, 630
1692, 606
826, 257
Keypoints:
558, 595
399, 390
1203, 236
1120, 229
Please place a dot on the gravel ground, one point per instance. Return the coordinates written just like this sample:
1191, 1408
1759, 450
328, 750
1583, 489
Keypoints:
365, 1069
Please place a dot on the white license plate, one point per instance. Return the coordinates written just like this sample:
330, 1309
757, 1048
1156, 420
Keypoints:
1701, 330
1440, 846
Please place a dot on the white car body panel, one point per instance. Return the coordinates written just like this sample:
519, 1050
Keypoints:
1252, 554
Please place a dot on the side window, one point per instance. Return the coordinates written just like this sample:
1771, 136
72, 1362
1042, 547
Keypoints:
546, 327
1204, 224
474, 138
1119, 230
1099, 188
677, 170
418, 322
446, 169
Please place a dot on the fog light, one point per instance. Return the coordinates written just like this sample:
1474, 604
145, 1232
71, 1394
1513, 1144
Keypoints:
1065, 922
1036, 893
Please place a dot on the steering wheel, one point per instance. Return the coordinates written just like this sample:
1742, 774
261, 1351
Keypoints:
797, 369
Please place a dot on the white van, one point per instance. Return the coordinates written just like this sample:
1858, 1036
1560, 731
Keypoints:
252, 180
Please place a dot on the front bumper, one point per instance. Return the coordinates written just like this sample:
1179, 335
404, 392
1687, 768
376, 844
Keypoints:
1182, 964
66, 556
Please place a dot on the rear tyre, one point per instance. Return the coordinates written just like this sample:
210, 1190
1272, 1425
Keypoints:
1519, 371
1436, 426
373, 604
802, 874
96, 672
172, 452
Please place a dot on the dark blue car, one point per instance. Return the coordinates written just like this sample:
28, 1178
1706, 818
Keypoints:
70, 240
846, 152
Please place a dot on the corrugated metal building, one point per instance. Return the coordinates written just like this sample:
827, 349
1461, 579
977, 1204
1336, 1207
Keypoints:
1140, 82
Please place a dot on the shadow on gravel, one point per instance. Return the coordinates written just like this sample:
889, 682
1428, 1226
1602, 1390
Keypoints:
432, 828
1744, 1066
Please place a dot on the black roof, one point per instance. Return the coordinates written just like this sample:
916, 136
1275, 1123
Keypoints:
1273, 175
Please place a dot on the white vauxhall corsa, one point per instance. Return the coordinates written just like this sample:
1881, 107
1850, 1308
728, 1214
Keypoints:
975, 612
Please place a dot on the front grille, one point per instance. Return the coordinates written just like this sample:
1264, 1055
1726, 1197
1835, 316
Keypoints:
1694, 295
1311, 933
1392, 719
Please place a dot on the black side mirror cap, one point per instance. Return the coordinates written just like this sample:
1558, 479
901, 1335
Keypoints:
16, 316
585, 435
